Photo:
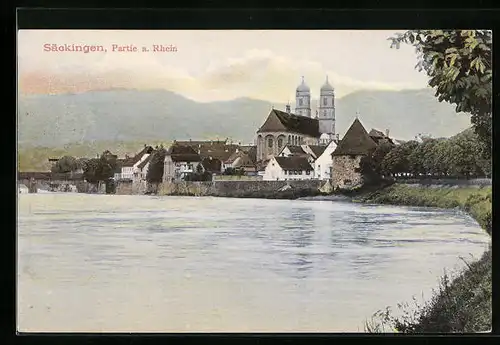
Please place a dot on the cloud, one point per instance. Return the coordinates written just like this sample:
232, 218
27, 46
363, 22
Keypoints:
259, 74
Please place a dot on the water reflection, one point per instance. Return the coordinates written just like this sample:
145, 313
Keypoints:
234, 265
300, 238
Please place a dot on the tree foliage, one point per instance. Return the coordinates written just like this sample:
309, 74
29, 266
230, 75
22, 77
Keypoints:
459, 66
458, 156
234, 171
156, 166
65, 164
197, 176
100, 169
370, 166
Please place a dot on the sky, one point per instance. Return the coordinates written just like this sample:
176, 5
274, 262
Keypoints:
215, 65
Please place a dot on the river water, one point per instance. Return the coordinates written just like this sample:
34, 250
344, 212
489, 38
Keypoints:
108, 263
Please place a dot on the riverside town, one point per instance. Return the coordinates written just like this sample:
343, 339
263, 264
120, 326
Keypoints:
262, 189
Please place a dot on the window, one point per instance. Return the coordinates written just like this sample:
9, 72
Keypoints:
270, 143
325, 101
324, 113
289, 139
300, 172
300, 101
280, 142
285, 171
308, 172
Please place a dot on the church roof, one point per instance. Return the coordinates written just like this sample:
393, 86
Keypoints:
303, 86
293, 163
281, 121
326, 86
356, 141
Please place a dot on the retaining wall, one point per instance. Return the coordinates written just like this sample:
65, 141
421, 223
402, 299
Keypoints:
215, 188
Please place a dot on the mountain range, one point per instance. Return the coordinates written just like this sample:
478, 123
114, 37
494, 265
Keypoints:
160, 115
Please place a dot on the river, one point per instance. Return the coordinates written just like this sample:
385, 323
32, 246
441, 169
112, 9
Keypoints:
109, 263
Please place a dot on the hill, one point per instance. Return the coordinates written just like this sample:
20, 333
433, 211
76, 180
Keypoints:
158, 115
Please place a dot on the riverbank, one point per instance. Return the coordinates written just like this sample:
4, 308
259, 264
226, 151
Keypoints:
462, 304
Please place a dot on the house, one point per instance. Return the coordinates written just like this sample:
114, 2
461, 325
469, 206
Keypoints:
323, 164
180, 160
129, 164
218, 149
288, 168
380, 137
314, 150
141, 170
243, 158
346, 158
118, 169
292, 150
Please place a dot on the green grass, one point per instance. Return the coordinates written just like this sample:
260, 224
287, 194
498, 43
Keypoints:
459, 305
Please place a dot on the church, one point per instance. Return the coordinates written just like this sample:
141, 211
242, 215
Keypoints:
298, 128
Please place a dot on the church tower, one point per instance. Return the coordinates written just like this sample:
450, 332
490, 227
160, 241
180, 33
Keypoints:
327, 113
303, 100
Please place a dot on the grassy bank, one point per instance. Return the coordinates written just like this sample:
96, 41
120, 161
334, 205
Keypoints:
462, 304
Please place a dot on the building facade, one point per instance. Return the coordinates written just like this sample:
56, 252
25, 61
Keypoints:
347, 156
324, 163
288, 168
180, 161
299, 128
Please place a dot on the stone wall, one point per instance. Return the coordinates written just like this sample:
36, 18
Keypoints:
344, 173
59, 185
237, 178
234, 188
128, 187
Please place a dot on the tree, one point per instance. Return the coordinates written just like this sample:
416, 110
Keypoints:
378, 156
438, 158
415, 160
90, 171
229, 171
156, 166
100, 169
396, 161
463, 152
81, 162
370, 166
426, 155
459, 66
65, 165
